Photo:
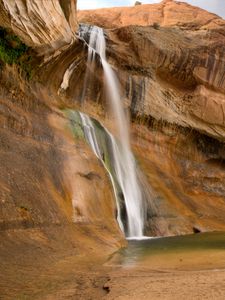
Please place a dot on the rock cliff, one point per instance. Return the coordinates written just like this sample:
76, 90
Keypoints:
171, 60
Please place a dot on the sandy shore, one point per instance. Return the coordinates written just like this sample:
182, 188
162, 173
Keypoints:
167, 285
68, 279
69, 273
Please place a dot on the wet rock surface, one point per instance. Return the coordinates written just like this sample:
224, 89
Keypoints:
47, 210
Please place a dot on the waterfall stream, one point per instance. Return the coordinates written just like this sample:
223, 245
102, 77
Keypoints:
114, 168
124, 162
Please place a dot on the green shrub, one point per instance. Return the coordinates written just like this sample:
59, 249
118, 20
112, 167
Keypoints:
14, 51
11, 47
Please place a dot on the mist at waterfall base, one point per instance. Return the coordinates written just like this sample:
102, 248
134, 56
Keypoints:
124, 175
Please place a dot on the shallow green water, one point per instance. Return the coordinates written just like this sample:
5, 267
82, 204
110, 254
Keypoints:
203, 241
145, 251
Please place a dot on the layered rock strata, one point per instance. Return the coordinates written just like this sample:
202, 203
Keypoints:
45, 25
170, 58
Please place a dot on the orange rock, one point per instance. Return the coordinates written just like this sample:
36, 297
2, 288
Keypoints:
43, 25
166, 13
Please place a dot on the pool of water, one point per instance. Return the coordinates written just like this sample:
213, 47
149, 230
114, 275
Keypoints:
196, 251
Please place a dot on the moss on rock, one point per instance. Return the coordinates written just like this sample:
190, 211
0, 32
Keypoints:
14, 51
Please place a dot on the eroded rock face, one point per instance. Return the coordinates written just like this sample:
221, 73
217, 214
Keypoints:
45, 25
173, 67
56, 199
54, 192
186, 173
170, 61
183, 85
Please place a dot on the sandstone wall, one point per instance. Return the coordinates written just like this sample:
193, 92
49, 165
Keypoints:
54, 192
45, 25
170, 59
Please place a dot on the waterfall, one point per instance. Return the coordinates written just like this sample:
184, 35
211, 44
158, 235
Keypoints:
96, 145
124, 162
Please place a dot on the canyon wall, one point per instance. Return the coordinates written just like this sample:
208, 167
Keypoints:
56, 199
170, 61
169, 58
57, 208
45, 25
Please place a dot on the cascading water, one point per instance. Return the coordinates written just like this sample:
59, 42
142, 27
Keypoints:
96, 145
125, 167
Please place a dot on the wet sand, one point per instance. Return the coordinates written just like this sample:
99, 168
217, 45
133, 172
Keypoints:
167, 285
190, 267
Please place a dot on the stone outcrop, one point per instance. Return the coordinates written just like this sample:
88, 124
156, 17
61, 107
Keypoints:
45, 25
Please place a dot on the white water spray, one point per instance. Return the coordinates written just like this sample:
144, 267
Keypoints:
125, 166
